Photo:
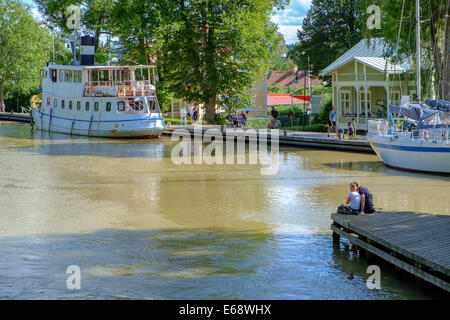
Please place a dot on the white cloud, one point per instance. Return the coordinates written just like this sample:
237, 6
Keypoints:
305, 3
291, 18
289, 32
36, 14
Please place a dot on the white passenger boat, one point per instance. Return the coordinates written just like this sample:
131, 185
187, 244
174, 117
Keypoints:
100, 101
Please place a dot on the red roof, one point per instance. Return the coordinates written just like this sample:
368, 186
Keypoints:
295, 79
285, 98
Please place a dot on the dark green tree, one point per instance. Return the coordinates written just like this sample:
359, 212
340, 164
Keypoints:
330, 28
213, 50
25, 48
95, 15
398, 27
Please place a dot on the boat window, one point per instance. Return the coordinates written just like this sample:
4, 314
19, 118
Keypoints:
88, 105
70, 105
54, 75
61, 75
96, 106
121, 106
62, 104
94, 75
104, 75
75, 76
78, 105
108, 106
55, 103
67, 76
80, 76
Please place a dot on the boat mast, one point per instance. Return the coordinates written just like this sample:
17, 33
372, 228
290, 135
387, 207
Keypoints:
418, 49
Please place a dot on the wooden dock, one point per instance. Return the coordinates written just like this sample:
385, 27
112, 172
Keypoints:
297, 139
417, 243
21, 117
289, 138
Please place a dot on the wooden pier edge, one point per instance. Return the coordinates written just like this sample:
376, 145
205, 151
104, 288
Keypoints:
402, 258
393, 260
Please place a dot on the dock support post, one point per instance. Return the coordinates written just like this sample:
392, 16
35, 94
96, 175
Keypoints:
336, 237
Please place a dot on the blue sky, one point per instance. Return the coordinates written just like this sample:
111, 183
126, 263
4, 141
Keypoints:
288, 20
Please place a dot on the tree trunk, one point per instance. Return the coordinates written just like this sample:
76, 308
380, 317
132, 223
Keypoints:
211, 110
437, 55
446, 60
2, 97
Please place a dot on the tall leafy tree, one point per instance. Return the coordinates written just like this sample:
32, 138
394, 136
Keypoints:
330, 28
214, 50
25, 48
95, 15
398, 27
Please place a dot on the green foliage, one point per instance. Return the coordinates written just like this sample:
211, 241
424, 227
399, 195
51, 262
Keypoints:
25, 48
401, 38
330, 28
257, 123
220, 119
274, 89
213, 51
326, 105
95, 15
321, 90
177, 121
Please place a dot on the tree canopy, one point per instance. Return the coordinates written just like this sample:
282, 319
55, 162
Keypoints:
398, 27
330, 28
25, 48
207, 51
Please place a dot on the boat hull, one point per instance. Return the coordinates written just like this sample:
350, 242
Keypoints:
135, 127
427, 157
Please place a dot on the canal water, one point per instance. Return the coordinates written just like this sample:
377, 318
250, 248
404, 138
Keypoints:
140, 226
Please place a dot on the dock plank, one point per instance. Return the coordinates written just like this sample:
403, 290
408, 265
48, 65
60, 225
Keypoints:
424, 238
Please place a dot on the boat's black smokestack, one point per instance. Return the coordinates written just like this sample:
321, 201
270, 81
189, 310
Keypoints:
87, 51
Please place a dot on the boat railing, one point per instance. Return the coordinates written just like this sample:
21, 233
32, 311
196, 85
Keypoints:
438, 136
139, 88
377, 127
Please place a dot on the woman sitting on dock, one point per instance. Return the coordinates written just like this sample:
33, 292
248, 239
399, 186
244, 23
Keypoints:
354, 199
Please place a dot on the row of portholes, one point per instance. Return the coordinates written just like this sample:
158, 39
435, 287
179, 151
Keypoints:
87, 105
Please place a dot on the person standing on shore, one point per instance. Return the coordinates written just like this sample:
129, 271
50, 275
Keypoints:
2, 107
332, 120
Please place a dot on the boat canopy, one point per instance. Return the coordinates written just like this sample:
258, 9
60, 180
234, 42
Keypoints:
438, 104
415, 111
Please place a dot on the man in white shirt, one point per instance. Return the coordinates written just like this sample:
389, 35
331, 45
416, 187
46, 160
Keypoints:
354, 199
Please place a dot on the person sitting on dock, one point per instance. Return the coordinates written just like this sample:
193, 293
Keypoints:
366, 199
354, 199
274, 114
